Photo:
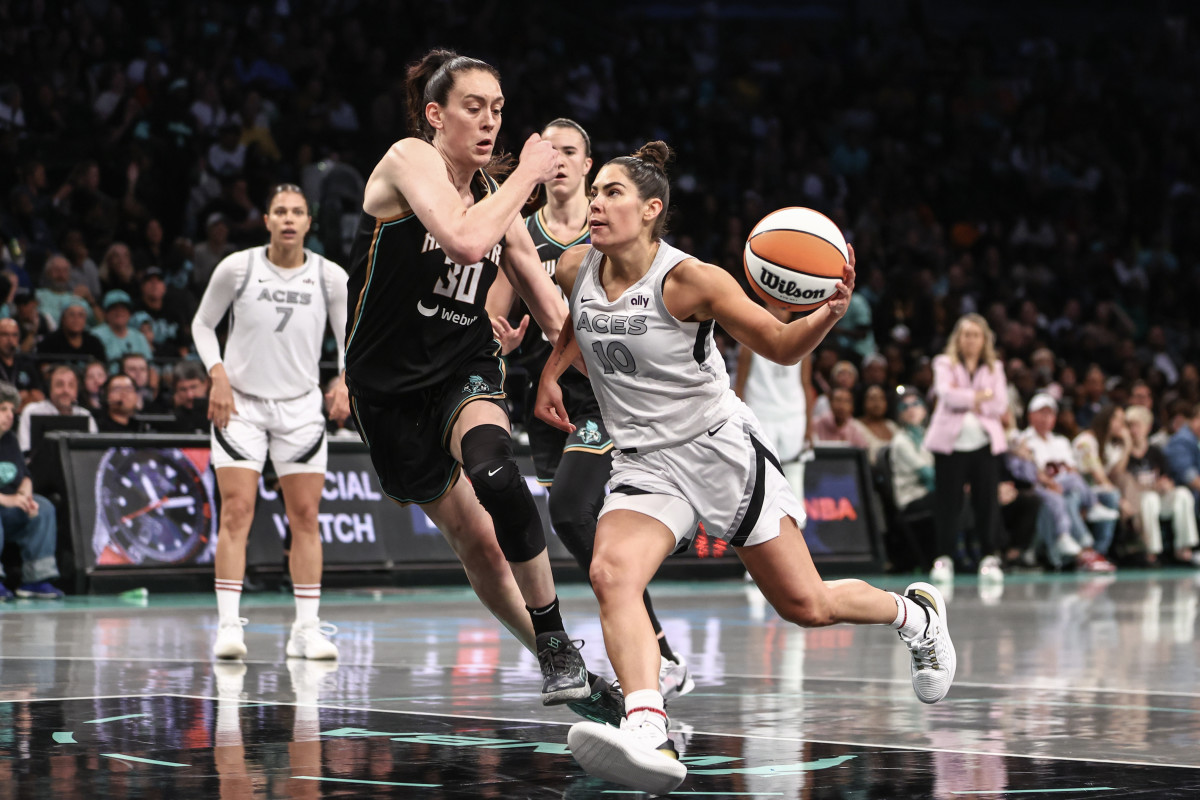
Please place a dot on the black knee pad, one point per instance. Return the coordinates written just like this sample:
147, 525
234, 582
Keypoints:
488, 459
575, 523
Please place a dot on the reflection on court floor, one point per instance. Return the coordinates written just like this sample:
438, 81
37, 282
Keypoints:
1067, 687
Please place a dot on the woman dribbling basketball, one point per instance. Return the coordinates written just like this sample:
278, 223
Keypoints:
688, 450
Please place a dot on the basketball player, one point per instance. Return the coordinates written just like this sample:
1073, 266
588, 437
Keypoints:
574, 466
266, 399
781, 397
642, 314
422, 365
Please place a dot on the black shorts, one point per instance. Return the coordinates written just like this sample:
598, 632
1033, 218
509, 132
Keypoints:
409, 438
549, 443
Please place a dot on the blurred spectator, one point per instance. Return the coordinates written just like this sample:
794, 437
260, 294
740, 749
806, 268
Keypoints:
190, 398
72, 341
1183, 452
95, 374
207, 254
1058, 474
116, 270
26, 519
115, 334
34, 325
170, 312
121, 402
912, 463
874, 422
64, 392
844, 375
57, 292
1091, 396
966, 435
1100, 452
839, 425
1147, 485
17, 369
152, 251
146, 379
84, 272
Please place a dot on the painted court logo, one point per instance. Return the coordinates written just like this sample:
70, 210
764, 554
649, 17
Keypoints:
589, 433
476, 385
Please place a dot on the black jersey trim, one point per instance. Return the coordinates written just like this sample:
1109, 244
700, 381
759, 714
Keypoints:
700, 348
371, 255
754, 510
580, 239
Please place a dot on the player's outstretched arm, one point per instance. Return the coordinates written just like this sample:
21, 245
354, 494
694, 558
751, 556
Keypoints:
415, 170
528, 277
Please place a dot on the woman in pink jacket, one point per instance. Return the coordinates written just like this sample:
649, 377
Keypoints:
966, 437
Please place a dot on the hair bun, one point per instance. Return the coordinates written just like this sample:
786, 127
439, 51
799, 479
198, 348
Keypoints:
655, 153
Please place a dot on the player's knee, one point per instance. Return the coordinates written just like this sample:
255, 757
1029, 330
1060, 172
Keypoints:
488, 460
236, 515
807, 611
611, 582
303, 514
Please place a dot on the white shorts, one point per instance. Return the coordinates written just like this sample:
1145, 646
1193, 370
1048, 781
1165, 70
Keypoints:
291, 431
730, 480
785, 437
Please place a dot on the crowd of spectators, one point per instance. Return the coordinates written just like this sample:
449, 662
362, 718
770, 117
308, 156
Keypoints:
1045, 181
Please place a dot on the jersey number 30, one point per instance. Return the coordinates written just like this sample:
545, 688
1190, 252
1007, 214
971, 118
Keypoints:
460, 282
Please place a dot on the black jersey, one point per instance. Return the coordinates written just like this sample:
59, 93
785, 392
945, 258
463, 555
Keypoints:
415, 316
535, 348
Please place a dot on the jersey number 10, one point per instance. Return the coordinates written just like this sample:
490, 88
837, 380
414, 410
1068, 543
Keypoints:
460, 282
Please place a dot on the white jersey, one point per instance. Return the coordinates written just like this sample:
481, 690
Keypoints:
276, 324
659, 381
774, 391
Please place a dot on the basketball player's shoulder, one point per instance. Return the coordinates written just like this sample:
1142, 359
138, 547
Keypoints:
569, 263
691, 271
236, 263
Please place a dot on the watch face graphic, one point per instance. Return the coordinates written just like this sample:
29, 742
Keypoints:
153, 506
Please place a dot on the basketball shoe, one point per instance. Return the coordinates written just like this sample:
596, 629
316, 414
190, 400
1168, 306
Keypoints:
638, 754
606, 704
310, 639
564, 676
674, 677
230, 641
933, 656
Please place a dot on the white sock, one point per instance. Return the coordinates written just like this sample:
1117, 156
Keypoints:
911, 618
646, 705
229, 596
308, 599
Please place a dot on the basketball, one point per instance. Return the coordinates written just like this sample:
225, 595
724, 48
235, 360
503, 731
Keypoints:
794, 258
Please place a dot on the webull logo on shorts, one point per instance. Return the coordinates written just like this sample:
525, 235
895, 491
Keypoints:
785, 288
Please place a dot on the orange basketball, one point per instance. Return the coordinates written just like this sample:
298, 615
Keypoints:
794, 258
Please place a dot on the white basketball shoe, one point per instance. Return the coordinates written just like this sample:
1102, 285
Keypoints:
310, 639
230, 641
933, 657
674, 678
638, 755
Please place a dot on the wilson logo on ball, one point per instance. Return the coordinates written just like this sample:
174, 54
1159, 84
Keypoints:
769, 280
794, 258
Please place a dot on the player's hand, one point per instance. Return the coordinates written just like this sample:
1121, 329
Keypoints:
220, 399
841, 291
337, 400
508, 336
540, 157
548, 407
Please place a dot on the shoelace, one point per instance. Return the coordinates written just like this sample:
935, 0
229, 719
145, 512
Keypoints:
561, 658
240, 623
925, 654
326, 629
